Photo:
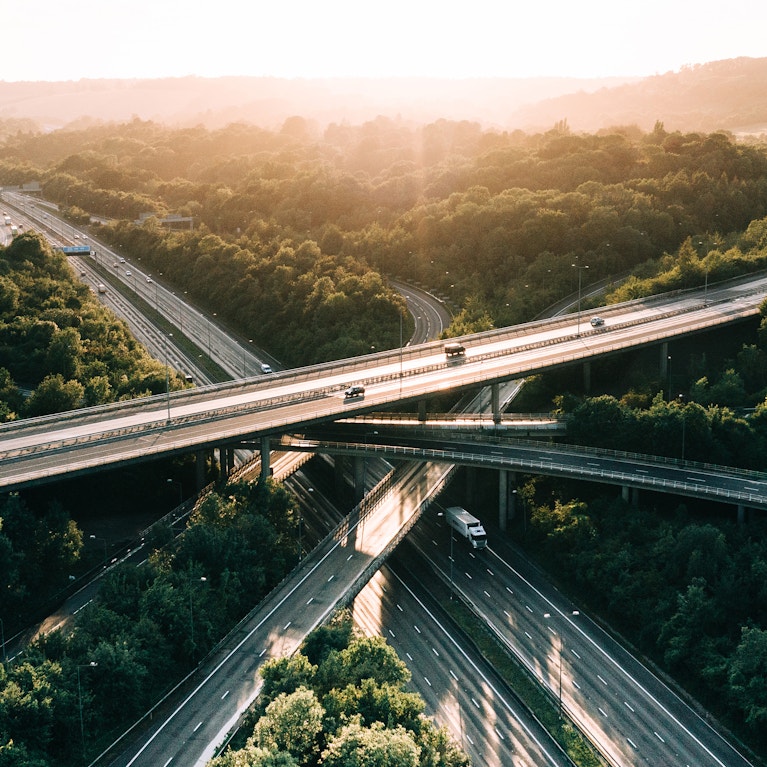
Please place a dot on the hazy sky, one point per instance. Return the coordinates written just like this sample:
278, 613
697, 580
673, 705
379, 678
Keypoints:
73, 39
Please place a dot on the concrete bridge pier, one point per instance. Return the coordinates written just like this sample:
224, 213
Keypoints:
339, 463
630, 494
200, 470
359, 477
421, 409
503, 498
495, 405
587, 376
664, 361
266, 469
741, 513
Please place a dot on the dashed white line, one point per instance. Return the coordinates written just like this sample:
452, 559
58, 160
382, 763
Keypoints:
601, 680
311, 599
632, 744
489, 571
199, 724
486, 594
393, 634
475, 702
427, 681
602, 711
629, 707
434, 650
416, 628
509, 590
659, 737
331, 578
452, 673
528, 608
225, 694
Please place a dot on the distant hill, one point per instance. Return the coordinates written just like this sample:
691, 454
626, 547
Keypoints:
730, 95
722, 95
267, 102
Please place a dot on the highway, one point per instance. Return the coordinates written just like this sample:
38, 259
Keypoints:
460, 690
38, 449
180, 732
187, 733
490, 450
628, 712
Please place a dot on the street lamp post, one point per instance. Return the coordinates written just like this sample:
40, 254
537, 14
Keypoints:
561, 645
684, 422
180, 489
167, 373
103, 540
441, 514
92, 664
201, 579
580, 269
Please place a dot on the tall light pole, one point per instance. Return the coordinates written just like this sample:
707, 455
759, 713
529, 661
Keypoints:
167, 374
561, 645
442, 514
180, 489
103, 540
580, 270
201, 579
92, 664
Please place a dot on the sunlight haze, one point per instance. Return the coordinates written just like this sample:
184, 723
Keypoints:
54, 40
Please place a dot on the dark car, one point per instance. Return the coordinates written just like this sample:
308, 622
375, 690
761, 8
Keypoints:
355, 391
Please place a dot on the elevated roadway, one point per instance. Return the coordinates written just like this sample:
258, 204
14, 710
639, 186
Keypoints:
39, 450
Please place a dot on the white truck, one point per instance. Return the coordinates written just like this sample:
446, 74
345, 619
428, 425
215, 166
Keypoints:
467, 525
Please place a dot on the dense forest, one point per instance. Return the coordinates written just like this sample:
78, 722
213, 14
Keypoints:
148, 628
295, 234
341, 701
59, 343
295, 238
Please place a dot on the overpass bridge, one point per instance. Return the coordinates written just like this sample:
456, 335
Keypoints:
494, 449
255, 410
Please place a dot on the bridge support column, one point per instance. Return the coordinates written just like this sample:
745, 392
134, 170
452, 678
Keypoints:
664, 360
625, 490
471, 483
495, 403
266, 469
359, 478
587, 376
200, 469
339, 462
741, 513
422, 410
503, 498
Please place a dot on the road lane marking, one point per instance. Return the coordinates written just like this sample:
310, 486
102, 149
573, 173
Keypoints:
452, 673
400, 609
489, 571
225, 694
330, 579
632, 744
499, 733
393, 634
628, 707
602, 711
659, 737
601, 680
285, 627
435, 651
416, 628
427, 681
199, 724
528, 608
310, 600
475, 703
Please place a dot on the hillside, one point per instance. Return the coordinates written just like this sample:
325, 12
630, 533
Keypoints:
729, 95
267, 102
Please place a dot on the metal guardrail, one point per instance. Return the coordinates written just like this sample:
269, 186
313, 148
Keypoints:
550, 467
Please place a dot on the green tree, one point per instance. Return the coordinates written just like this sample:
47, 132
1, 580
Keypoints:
291, 723
375, 746
748, 677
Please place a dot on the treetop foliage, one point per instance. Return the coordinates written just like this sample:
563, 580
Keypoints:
350, 710
294, 231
